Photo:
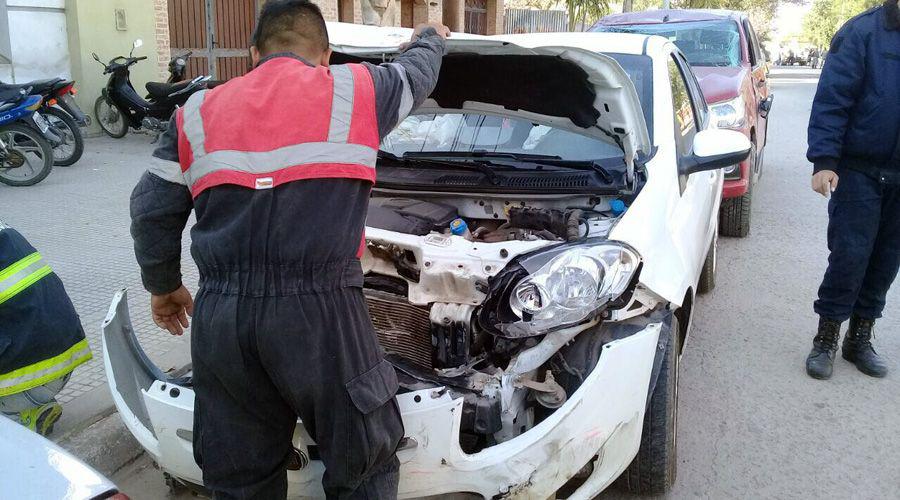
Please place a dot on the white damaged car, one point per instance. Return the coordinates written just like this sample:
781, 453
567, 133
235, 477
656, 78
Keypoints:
534, 244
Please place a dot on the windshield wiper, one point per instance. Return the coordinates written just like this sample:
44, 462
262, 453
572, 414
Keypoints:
410, 161
584, 164
479, 154
550, 160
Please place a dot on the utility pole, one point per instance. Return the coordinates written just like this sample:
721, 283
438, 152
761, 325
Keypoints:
628, 6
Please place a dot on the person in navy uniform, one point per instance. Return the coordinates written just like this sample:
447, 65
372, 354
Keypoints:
855, 149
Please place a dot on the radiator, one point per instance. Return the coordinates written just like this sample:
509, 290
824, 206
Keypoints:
403, 329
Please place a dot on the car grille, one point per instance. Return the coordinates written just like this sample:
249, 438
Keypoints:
403, 329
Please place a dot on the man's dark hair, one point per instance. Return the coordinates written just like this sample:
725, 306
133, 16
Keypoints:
284, 24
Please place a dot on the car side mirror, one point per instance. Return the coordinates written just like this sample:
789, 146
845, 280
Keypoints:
766, 106
715, 149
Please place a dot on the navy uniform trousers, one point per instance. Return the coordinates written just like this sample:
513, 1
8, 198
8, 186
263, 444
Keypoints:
864, 240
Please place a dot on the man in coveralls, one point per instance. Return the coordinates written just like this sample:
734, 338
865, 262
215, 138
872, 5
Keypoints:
278, 166
853, 138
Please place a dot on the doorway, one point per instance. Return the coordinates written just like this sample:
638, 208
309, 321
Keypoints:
216, 31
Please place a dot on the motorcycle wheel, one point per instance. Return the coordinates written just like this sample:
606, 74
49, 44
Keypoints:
72, 146
27, 158
110, 118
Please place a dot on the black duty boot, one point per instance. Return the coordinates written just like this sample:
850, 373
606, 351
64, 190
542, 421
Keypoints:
858, 349
820, 361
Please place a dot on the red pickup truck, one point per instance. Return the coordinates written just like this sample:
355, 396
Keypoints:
724, 52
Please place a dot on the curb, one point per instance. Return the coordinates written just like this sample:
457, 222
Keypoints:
106, 445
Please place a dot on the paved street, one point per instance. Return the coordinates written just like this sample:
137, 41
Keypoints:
751, 423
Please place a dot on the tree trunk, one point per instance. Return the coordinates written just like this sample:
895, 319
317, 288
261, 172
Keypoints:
628, 6
572, 14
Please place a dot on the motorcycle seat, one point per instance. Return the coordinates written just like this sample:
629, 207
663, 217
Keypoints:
159, 89
9, 97
43, 86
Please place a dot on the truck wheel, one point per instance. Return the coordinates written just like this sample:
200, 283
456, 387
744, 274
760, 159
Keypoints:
708, 274
652, 472
734, 215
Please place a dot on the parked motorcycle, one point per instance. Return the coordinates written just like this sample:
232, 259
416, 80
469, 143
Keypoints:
64, 120
120, 107
26, 156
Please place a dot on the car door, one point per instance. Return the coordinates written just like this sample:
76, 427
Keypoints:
700, 192
759, 82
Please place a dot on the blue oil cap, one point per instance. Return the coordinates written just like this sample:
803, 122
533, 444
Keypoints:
617, 207
458, 227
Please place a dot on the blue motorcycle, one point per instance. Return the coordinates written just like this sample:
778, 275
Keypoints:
26, 157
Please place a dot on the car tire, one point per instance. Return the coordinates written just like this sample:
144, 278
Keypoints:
734, 213
653, 470
708, 274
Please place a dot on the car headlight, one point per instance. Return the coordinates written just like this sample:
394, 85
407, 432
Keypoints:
569, 288
729, 114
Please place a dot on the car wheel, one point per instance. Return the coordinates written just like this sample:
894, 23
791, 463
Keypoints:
652, 472
734, 213
708, 274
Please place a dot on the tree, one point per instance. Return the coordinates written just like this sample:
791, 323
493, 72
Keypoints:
585, 11
826, 17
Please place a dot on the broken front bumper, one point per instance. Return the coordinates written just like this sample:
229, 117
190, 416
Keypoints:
601, 423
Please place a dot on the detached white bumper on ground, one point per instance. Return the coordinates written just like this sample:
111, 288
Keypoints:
599, 424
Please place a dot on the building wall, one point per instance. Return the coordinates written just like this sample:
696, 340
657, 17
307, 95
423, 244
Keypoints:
92, 28
37, 38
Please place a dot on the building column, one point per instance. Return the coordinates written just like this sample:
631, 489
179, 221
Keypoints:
163, 47
454, 14
494, 17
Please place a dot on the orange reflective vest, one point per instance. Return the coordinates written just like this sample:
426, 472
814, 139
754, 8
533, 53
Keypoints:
308, 122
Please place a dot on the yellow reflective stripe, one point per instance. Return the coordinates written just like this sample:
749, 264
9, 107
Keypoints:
40, 373
27, 281
19, 265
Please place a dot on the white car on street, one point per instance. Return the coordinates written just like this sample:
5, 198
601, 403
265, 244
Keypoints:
535, 241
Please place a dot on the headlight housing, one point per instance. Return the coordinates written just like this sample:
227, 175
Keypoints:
729, 114
572, 285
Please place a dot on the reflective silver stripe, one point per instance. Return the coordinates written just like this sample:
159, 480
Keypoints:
72, 358
192, 125
167, 170
406, 97
263, 162
13, 279
341, 104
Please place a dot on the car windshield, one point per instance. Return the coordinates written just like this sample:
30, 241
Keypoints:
460, 132
704, 43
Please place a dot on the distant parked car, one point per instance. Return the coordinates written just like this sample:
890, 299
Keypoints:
726, 56
34, 467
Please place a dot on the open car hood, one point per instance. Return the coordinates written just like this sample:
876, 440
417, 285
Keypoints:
568, 85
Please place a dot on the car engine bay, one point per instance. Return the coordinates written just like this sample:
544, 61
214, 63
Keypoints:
439, 268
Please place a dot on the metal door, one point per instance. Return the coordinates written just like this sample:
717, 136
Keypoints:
217, 31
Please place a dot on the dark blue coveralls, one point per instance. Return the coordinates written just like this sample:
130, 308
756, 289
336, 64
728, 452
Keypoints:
854, 130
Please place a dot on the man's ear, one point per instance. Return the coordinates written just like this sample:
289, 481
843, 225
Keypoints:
254, 55
326, 58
